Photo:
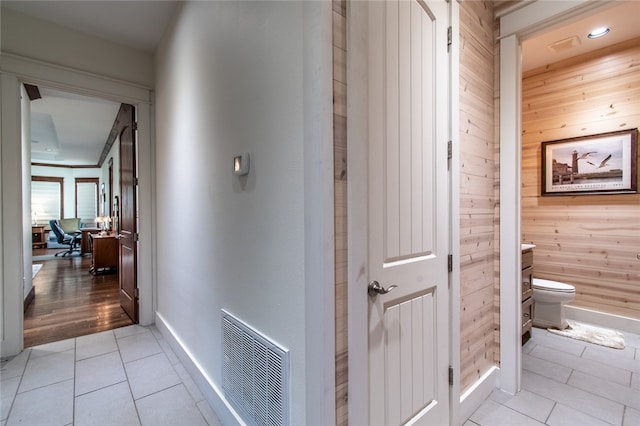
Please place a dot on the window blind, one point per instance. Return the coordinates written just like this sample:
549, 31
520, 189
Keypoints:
87, 202
45, 201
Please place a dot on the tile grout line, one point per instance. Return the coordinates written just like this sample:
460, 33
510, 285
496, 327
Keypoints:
15, 395
135, 406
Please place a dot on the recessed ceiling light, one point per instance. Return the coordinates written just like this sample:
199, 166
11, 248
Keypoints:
599, 32
48, 149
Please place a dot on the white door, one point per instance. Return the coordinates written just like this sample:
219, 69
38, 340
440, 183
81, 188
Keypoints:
408, 212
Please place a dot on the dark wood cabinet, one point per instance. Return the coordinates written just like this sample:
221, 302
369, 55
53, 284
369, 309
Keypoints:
527, 294
85, 242
104, 254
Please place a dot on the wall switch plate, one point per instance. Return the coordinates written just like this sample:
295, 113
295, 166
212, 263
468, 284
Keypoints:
241, 164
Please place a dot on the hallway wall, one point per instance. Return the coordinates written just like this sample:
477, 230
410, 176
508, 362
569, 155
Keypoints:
231, 78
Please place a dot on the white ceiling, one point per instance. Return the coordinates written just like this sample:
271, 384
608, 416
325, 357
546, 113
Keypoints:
69, 129
76, 135
133, 23
623, 17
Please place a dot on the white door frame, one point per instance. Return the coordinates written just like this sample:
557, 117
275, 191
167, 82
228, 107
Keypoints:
357, 225
516, 25
15, 71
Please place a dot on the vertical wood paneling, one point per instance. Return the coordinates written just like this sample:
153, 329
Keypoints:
340, 197
590, 242
418, 355
404, 134
409, 359
478, 202
409, 137
393, 365
416, 127
392, 158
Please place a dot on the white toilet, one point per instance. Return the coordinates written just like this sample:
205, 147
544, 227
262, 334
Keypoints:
550, 297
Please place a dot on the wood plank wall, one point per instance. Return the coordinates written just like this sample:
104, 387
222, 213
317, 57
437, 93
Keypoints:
479, 318
340, 199
593, 241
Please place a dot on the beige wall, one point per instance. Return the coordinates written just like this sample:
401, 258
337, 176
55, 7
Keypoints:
593, 241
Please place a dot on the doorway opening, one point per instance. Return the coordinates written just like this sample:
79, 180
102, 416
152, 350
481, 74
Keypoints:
80, 146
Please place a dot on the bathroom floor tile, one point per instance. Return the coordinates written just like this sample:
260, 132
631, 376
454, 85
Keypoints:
15, 366
171, 406
588, 403
491, 413
558, 343
95, 344
606, 389
527, 403
150, 375
635, 381
8, 390
48, 405
188, 382
631, 417
112, 405
566, 416
545, 368
99, 372
130, 330
623, 359
208, 413
47, 370
53, 348
596, 368
137, 346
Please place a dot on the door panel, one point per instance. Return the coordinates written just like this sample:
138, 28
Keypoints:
408, 212
128, 220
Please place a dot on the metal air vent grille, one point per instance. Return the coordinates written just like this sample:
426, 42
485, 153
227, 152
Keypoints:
255, 374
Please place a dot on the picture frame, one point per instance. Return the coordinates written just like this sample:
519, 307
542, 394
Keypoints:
605, 163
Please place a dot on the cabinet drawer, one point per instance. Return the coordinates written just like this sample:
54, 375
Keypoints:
527, 279
527, 259
527, 314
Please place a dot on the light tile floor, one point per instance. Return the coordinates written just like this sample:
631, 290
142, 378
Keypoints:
566, 382
127, 376
130, 376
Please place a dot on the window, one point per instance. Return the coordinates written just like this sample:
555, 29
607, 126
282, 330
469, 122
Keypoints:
87, 199
46, 199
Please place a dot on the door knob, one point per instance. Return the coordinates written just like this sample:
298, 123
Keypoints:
375, 289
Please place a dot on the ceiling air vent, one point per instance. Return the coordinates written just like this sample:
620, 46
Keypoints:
255, 374
565, 44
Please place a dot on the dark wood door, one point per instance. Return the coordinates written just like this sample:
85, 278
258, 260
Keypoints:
128, 229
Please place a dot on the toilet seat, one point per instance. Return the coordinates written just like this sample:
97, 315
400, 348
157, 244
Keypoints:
552, 286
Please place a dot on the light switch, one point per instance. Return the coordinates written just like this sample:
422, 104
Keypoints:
241, 164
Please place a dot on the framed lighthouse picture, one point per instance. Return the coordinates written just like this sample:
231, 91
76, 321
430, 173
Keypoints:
596, 164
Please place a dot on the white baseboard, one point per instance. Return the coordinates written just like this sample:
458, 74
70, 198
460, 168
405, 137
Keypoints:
476, 394
211, 392
602, 319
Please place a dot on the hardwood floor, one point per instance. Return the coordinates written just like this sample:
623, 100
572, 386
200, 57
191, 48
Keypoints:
70, 302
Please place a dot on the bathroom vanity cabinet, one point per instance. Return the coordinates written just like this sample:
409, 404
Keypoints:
527, 293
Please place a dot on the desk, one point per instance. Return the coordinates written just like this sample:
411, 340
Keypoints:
38, 236
85, 243
105, 253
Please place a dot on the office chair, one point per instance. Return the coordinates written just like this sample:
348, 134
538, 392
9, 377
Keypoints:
73, 241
